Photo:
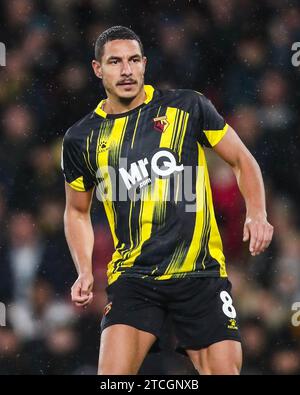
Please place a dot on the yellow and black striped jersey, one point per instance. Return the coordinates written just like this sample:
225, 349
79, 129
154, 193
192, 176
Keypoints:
149, 169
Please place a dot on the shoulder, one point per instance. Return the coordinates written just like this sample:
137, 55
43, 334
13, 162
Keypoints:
79, 130
186, 99
181, 94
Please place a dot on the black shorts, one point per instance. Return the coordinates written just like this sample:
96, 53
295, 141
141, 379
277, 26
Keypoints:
201, 309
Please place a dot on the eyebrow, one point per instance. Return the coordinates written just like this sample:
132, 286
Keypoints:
119, 58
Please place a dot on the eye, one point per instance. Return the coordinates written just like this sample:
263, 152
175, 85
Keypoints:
114, 61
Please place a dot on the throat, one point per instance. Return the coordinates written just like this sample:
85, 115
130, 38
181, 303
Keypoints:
122, 105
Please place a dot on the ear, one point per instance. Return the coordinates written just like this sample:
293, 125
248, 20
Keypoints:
145, 62
97, 68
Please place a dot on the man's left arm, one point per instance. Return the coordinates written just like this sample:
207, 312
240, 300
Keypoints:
250, 182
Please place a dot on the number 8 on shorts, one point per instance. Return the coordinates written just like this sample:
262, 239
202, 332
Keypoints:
227, 307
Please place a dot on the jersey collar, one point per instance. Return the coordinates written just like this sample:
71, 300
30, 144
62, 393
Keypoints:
149, 90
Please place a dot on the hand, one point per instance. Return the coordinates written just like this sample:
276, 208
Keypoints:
81, 291
260, 233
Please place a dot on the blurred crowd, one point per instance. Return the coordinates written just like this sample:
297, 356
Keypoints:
238, 53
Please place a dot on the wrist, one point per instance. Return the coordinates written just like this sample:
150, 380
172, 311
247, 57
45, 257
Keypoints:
85, 273
261, 215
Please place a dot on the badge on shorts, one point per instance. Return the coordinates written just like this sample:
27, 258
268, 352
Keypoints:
232, 324
107, 308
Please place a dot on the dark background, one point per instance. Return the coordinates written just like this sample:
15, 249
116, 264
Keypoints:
238, 53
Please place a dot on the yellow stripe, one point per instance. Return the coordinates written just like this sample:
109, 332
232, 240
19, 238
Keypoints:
88, 141
140, 218
183, 135
178, 130
129, 225
215, 243
166, 195
177, 183
128, 250
175, 261
159, 196
114, 143
149, 90
214, 136
175, 127
99, 111
78, 184
136, 124
193, 252
168, 135
146, 216
173, 136
158, 112
205, 230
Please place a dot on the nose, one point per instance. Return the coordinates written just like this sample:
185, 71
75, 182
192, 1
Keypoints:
126, 69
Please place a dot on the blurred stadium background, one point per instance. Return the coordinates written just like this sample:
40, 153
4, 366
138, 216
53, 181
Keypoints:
238, 53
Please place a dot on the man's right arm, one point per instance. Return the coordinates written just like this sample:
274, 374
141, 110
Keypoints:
80, 238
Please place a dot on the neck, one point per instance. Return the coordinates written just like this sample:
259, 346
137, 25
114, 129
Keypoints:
115, 105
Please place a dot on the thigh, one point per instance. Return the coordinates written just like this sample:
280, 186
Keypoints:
132, 320
134, 302
123, 349
224, 357
205, 315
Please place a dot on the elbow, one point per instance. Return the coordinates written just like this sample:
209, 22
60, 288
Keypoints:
244, 162
74, 214
66, 220
245, 158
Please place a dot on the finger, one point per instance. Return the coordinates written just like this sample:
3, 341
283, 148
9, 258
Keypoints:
86, 287
90, 299
80, 299
75, 291
84, 292
265, 244
261, 230
253, 238
86, 302
246, 233
269, 237
80, 303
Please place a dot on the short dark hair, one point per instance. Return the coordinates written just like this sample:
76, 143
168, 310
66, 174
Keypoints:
115, 33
